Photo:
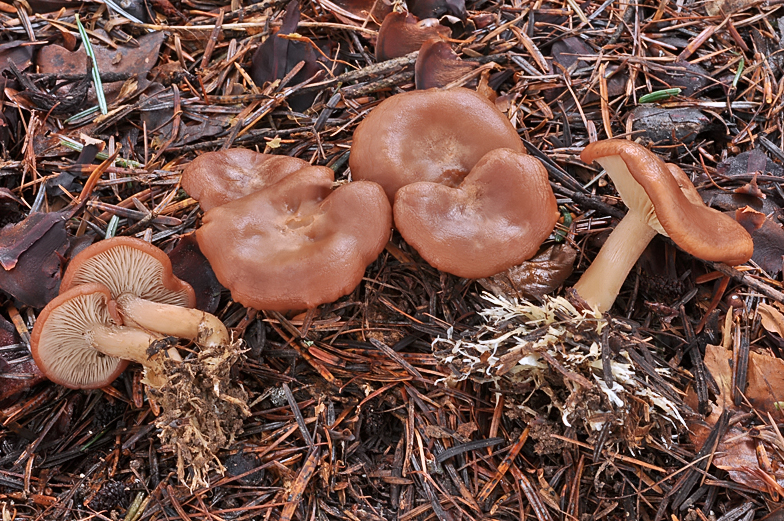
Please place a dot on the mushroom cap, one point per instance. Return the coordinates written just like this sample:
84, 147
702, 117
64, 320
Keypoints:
497, 218
437, 65
402, 33
665, 195
129, 265
428, 135
215, 178
60, 347
297, 243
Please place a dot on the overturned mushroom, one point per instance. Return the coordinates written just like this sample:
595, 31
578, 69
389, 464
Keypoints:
661, 199
297, 243
402, 33
496, 218
215, 178
147, 294
79, 341
433, 135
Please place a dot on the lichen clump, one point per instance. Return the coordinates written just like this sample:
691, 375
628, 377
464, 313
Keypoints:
203, 408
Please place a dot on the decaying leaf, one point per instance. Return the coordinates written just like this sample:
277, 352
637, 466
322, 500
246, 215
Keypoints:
536, 277
30, 257
768, 238
277, 56
190, 265
748, 163
668, 126
437, 8
737, 450
128, 60
10, 207
689, 77
14, 52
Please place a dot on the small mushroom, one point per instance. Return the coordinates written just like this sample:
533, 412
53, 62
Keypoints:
296, 244
661, 199
215, 178
403, 33
140, 280
496, 218
79, 341
437, 65
428, 135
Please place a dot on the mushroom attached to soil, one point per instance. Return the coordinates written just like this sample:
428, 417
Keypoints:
497, 217
403, 33
140, 280
215, 178
78, 340
428, 135
437, 65
661, 199
297, 243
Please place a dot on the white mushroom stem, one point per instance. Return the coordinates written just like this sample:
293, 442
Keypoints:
167, 319
132, 344
603, 279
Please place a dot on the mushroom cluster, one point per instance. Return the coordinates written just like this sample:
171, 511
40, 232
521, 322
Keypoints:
283, 238
661, 199
464, 194
118, 300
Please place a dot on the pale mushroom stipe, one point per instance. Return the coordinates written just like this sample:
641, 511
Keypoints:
143, 291
79, 341
661, 199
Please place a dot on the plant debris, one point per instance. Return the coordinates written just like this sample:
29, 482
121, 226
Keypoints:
420, 395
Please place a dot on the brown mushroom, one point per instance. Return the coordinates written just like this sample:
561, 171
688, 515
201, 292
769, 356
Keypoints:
428, 135
79, 341
403, 33
296, 244
661, 199
496, 218
215, 178
437, 65
139, 278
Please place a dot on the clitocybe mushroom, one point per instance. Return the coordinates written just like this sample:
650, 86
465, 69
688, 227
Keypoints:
215, 178
496, 218
140, 280
661, 199
297, 243
402, 33
437, 65
428, 135
78, 341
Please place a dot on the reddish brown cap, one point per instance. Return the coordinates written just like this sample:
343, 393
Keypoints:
700, 230
497, 218
215, 178
129, 265
428, 135
403, 33
60, 345
297, 243
437, 65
